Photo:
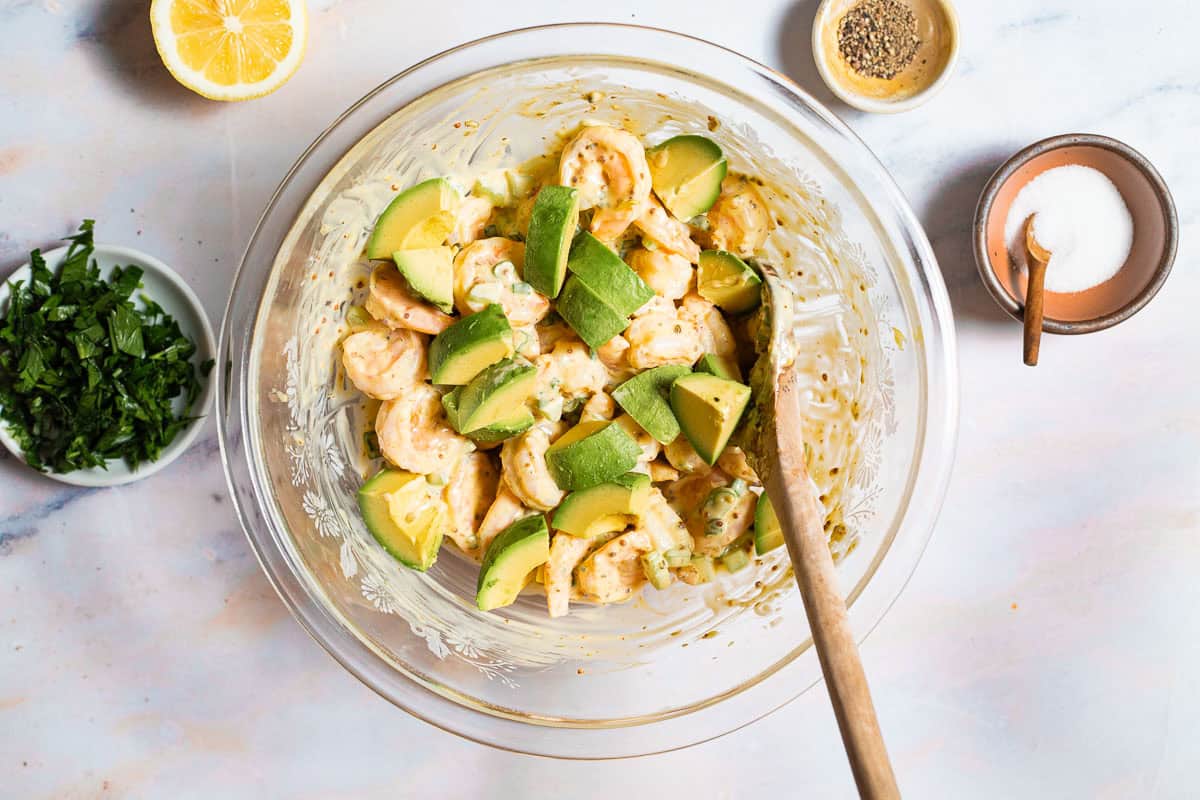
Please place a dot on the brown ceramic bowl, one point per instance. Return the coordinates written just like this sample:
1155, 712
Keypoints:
1155, 233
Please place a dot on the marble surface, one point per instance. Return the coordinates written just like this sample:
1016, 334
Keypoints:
1048, 645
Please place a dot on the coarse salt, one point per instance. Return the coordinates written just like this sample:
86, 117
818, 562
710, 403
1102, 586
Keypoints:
1081, 219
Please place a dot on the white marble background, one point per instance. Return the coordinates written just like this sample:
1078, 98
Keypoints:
1048, 646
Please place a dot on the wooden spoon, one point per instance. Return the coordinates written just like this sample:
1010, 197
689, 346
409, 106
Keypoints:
776, 450
1035, 293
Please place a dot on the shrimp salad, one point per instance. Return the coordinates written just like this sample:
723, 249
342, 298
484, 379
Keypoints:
559, 364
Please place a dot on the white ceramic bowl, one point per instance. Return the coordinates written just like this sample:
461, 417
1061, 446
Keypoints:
912, 87
164, 286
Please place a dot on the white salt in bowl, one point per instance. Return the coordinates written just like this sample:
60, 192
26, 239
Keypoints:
1155, 233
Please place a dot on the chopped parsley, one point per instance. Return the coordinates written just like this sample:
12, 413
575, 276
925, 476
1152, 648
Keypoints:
85, 374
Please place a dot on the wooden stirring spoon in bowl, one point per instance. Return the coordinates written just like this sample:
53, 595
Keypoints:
1035, 292
775, 447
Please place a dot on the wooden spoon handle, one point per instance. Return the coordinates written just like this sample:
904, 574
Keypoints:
802, 519
1035, 296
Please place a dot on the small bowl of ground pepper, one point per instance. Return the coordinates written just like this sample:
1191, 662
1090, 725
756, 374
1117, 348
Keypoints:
885, 56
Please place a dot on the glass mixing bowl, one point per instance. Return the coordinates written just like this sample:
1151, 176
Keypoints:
676, 667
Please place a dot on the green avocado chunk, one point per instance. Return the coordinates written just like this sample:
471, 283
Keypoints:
708, 409
466, 348
516, 551
498, 394
686, 172
593, 319
498, 431
722, 367
767, 532
430, 273
728, 282
599, 268
420, 216
403, 516
603, 508
548, 244
592, 452
644, 397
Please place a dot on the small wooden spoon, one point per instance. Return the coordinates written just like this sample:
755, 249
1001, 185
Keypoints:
776, 451
1038, 257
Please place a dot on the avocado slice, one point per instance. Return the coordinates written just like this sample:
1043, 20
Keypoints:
592, 452
404, 516
420, 216
496, 395
686, 172
600, 509
708, 409
498, 431
644, 397
593, 319
721, 366
551, 228
430, 273
767, 532
599, 268
726, 281
516, 551
466, 348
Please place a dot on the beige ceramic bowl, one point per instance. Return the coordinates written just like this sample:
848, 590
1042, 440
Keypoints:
1155, 233
937, 25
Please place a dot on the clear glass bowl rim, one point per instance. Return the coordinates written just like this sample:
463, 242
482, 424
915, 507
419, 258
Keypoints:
720, 715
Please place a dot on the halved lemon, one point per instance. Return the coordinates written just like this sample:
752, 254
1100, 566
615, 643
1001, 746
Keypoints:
230, 49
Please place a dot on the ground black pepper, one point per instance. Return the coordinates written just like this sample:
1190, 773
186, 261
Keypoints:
878, 38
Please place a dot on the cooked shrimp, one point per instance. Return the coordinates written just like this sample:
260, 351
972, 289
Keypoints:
612, 573
669, 275
648, 444
567, 374
599, 406
668, 233
391, 301
471, 219
660, 472
655, 305
608, 168
715, 334
663, 338
469, 492
664, 527
486, 272
414, 434
738, 221
689, 497
384, 363
523, 466
549, 333
689, 493
737, 522
733, 461
566, 552
504, 511
614, 355
526, 342
684, 457
571, 365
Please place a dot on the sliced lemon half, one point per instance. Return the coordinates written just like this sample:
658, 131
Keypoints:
230, 49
